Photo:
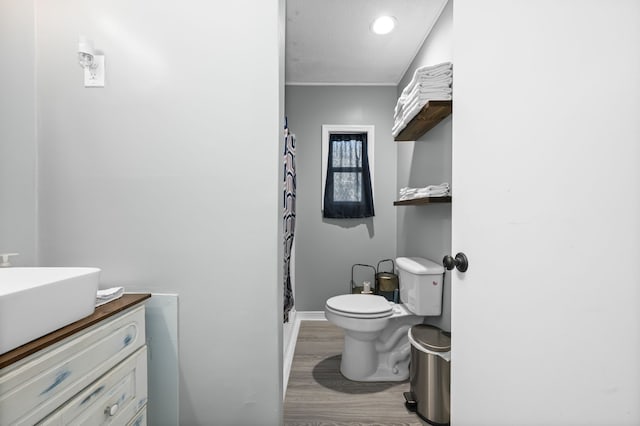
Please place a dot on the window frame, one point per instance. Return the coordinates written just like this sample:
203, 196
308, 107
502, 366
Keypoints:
331, 129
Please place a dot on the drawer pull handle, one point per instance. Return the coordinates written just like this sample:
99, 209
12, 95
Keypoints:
112, 410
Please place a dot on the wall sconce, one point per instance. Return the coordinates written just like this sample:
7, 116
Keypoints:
92, 64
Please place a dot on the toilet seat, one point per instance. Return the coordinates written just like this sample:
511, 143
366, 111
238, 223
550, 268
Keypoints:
360, 306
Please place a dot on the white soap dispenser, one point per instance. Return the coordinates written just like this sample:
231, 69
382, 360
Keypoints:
4, 263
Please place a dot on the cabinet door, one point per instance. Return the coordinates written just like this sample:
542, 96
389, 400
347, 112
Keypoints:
114, 399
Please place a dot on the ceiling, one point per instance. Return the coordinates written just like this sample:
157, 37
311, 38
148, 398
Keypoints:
329, 41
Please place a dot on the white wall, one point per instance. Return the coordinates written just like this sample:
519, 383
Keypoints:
437, 47
17, 131
327, 248
425, 231
168, 177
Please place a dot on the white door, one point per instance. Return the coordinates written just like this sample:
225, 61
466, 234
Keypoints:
546, 206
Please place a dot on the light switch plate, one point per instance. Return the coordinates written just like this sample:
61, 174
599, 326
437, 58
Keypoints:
95, 77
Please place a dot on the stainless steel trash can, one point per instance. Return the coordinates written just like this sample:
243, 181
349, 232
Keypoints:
430, 374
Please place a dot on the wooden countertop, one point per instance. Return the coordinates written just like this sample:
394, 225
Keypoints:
102, 312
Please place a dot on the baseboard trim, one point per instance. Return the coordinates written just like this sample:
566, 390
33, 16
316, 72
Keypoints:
287, 356
294, 319
311, 316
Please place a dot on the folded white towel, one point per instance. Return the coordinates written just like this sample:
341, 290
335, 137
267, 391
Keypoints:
440, 185
424, 97
441, 77
426, 190
433, 70
441, 190
420, 195
409, 111
398, 127
422, 92
415, 104
109, 294
426, 83
421, 89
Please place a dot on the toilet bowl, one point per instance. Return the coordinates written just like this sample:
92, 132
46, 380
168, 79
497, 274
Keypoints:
376, 347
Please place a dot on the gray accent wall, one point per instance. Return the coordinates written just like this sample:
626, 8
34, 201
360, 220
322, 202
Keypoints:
425, 231
326, 248
168, 179
17, 132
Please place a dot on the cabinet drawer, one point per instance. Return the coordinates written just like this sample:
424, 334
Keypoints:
115, 399
140, 419
37, 387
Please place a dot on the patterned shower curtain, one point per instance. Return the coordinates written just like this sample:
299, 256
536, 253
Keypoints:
289, 217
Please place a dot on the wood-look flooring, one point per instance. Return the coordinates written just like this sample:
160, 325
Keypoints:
318, 394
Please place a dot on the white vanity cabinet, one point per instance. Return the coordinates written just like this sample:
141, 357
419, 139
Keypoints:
95, 376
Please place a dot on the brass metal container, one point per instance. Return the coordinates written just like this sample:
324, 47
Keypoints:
386, 282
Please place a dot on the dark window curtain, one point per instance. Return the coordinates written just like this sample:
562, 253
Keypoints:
348, 191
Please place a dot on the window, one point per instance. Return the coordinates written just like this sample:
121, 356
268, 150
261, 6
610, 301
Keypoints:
347, 190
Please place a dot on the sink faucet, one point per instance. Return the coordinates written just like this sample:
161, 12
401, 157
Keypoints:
4, 263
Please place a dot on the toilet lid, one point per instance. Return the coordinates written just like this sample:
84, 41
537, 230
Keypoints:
360, 305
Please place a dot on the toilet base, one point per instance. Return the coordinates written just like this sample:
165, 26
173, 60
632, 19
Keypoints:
382, 359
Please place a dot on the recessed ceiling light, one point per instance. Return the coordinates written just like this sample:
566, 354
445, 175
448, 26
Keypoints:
383, 25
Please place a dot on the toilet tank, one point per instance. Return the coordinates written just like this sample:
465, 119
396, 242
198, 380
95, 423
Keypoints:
421, 284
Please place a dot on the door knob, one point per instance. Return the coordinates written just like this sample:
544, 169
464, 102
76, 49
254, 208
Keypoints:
460, 261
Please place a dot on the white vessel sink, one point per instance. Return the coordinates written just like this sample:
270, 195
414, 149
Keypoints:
37, 301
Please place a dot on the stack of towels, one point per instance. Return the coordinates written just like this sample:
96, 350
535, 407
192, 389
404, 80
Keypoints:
428, 83
441, 190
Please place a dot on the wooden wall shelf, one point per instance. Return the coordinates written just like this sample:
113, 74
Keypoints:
423, 201
430, 115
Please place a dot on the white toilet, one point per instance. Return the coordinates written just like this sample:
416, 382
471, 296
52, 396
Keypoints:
376, 347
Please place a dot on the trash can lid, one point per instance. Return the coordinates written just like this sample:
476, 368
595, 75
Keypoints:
430, 338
